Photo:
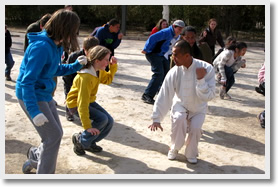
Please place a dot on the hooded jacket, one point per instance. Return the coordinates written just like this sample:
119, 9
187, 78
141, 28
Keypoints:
41, 62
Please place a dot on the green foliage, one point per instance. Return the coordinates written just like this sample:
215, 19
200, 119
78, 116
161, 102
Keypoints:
144, 17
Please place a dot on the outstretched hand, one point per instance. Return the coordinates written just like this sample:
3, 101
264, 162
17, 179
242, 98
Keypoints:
155, 126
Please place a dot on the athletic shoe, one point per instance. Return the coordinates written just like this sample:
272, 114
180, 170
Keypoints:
78, 149
192, 160
27, 167
94, 149
172, 154
227, 96
29, 152
147, 99
222, 92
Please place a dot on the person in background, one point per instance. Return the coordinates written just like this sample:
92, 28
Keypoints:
211, 35
229, 41
261, 90
9, 61
186, 90
35, 27
96, 121
35, 84
110, 36
88, 43
68, 7
161, 24
227, 64
155, 48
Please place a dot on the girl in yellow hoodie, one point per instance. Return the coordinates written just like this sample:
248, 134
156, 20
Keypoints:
95, 120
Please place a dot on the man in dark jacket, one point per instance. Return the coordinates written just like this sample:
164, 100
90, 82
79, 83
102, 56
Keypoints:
8, 56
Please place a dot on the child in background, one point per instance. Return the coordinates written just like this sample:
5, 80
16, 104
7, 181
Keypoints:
227, 64
95, 120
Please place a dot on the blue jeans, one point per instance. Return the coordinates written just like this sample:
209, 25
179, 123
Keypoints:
101, 121
9, 63
160, 66
230, 77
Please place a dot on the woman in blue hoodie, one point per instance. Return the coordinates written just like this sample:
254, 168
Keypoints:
42, 62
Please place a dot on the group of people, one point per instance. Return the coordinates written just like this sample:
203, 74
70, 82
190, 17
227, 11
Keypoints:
82, 73
185, 86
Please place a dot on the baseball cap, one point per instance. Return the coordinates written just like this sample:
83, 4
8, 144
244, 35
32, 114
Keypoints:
179, 23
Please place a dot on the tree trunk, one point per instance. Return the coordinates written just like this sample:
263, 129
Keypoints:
165, 12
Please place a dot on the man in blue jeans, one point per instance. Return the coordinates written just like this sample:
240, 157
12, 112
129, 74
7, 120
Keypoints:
155, 48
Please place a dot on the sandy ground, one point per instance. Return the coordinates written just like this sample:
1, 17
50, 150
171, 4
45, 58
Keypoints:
233, 141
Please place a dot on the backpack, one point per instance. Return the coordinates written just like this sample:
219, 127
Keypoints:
95, 31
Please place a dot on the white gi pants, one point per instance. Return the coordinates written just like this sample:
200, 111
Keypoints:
186, 122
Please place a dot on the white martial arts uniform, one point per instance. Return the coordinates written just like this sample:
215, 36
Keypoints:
188, 98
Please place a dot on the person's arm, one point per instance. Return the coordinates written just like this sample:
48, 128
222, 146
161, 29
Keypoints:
153, 40
220, 39
165, 97
107, 77
117, 40
83, 100
205, 88
67, 69
33, 69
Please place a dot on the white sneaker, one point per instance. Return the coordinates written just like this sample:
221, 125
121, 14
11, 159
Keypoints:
172, 154
192, 160
222, 93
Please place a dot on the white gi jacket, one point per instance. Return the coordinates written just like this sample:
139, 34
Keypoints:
184, 92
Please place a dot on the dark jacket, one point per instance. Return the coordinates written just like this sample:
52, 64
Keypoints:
108, 39
68, 79
34, 27
211, 38
196, 52
8, 42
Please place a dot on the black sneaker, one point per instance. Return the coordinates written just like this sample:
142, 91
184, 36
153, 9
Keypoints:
147, 99
8, 78
94, 149
78, 149
69, 116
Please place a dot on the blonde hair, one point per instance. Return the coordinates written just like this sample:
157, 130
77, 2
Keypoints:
96, 53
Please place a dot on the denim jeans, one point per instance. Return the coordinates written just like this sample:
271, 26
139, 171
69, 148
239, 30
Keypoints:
102, 121
9, 63
230, 77
160, 66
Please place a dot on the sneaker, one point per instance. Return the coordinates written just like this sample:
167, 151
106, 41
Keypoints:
69, 116
8, 78
147, 99
222, 92
78, 149
29, 152
227, 96
172, 154
192, 160
94, 149
27, 167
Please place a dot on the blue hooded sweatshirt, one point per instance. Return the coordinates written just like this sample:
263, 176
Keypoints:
41, 62
159, 42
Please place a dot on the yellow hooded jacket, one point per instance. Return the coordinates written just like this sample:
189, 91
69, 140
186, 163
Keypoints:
84, 90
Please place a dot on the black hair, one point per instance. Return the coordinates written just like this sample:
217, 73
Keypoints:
184, 47
188, 29
238, 45
113, 22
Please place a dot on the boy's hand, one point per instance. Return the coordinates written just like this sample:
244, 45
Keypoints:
113, 60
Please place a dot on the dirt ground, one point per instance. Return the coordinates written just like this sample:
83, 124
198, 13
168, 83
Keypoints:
233, 141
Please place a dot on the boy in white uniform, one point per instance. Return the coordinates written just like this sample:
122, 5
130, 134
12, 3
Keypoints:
187, 88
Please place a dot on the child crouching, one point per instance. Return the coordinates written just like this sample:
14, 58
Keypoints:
82, 98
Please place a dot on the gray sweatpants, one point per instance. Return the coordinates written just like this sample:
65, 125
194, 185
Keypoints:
44, 157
